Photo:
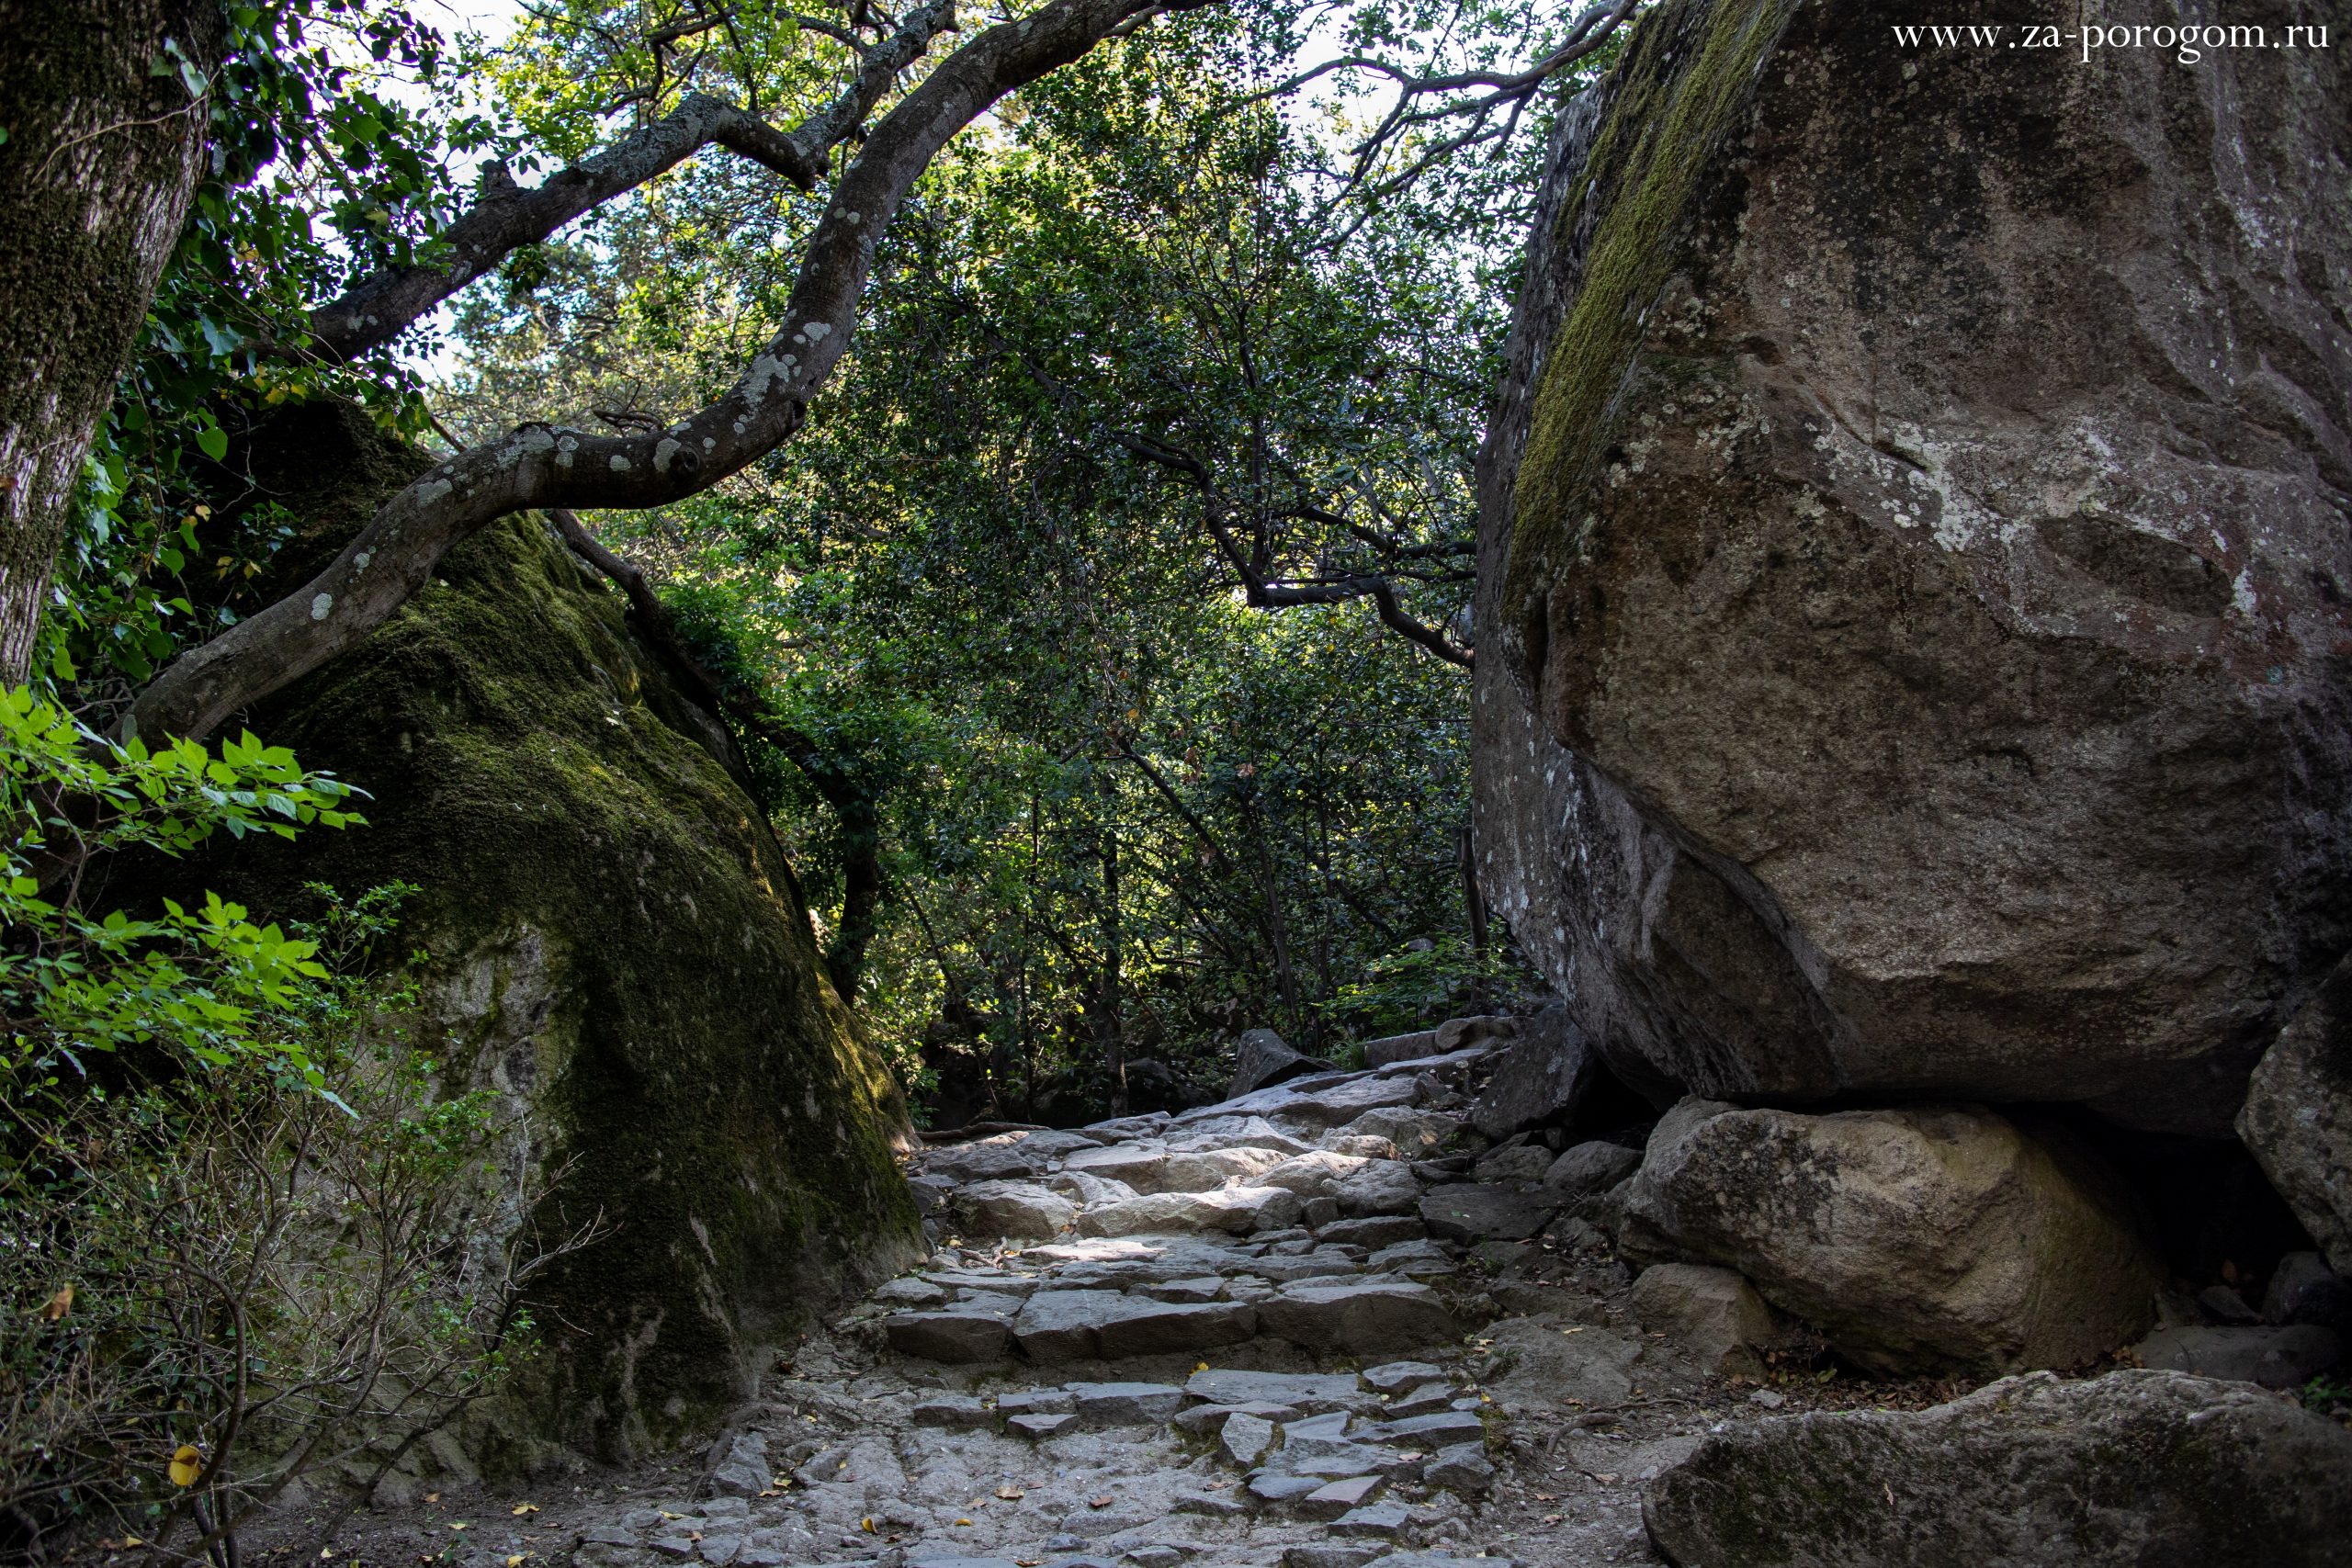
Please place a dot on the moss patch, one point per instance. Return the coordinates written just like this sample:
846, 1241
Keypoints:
616, 939
1680, 92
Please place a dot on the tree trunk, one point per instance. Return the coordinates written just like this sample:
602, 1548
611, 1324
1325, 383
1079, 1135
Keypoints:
1109, 1000
100, 161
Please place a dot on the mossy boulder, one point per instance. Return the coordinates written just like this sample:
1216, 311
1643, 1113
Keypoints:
2130, 1470
615, 942
1916, 658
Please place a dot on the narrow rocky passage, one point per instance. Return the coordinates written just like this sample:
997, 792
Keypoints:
1349, 1320
1303, 1327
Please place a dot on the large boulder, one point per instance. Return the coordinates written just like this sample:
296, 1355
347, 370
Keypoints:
616, 946
1264, 1058
1539, 1079
2130, 1470
1915, 1240
1912, 562
2298, 1116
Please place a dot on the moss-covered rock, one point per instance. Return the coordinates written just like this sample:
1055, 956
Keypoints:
616, 941
2131, 1470
1914, 563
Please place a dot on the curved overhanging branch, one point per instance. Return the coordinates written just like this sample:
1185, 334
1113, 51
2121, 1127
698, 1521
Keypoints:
379, 308
539, 466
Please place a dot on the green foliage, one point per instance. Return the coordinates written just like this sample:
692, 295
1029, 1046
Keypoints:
1402, 991
319, 173
222, 1280
205, 985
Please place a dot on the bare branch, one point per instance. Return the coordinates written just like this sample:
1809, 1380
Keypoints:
541, 466
378, 308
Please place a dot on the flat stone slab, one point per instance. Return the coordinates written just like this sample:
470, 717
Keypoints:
1037, 1402
1275, 1487
1245, 1438
1040, 1426
1300, 1390
957, 1338
1439, 1430
1394, 1376
1339, 1497
1373, 1519
1125, 1404
1142, 1326
1472, 1211
1372, 1318
1394, 1048
1064, 1325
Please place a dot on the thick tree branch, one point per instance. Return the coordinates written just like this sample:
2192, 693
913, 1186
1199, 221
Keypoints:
540, 466
378, 308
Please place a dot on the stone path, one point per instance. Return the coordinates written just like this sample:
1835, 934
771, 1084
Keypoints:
1327, 1325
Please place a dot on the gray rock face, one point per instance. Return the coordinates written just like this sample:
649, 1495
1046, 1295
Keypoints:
1470, 1211
1375, 1317
1591, 1168
2275, 1358
2123, 1471
1018, 1209
1539, 1079
1712, 1315
2304, 1289
1263, 1058
1397, 1048
1913, 569
2298, 1116
1913, 1239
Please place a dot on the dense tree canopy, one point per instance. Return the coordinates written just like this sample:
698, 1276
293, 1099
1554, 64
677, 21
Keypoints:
1047, 437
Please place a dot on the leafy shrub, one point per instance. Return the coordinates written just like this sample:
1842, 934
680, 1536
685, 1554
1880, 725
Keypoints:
244, 1234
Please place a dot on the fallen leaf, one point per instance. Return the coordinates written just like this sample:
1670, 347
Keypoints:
432, 1496
460, 1524
326, 1551
187, 1465
1606, 1480
516, 1561
519, 1509
963, 1521
59, 1304
1554, 1518
668, 1515
1200, 1366
1889, 1493
132, 1541
1100, 1502
1546, 1497
1011, 1493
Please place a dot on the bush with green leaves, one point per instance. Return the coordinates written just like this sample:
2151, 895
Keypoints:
193, 986
246, 1232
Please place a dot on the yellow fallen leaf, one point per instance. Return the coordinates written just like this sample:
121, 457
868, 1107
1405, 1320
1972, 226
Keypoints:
1200, 1366
460, 1524
1011, 1493
516, 1561
866, 1525
59, 1304
326, 1551
519, 1509
963, 1521
187, 1465
132, 1541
